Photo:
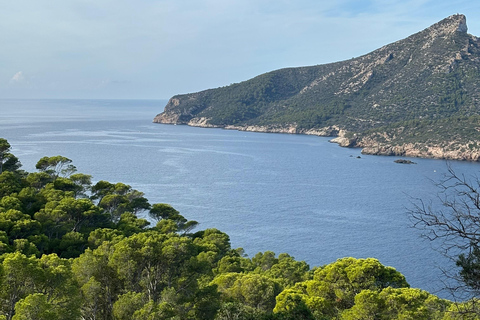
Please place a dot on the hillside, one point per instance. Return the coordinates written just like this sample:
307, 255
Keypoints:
419, 96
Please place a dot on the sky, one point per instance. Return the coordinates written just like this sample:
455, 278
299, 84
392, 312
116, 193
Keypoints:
154, 49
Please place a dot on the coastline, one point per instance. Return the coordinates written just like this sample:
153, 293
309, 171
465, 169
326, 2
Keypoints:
370, 146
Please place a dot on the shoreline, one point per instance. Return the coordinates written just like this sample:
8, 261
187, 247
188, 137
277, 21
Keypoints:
367, 145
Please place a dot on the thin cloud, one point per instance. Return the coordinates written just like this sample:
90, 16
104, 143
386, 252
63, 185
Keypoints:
198, 44
18, 77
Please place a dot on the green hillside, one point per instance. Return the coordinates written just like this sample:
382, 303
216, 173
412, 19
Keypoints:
429, 78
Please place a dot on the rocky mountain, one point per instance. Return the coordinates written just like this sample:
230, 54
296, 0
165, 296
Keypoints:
419, 96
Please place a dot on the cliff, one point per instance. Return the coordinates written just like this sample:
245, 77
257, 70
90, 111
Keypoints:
419, 96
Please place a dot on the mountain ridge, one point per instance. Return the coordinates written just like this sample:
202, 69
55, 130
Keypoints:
428, 80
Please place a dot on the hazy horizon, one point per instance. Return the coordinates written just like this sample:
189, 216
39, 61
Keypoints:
156, 49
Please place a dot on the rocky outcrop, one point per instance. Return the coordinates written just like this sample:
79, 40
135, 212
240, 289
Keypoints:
404, 161
345, 141
450, 151
269, 129
168, 118
201, 122
330, 131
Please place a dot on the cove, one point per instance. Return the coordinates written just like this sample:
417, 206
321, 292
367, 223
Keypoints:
286, 193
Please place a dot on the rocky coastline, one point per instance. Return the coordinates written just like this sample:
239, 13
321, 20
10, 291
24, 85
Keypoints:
448, 151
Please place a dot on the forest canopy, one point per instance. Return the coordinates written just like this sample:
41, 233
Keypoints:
71, 248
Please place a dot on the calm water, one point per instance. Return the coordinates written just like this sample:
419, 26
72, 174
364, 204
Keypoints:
286, 193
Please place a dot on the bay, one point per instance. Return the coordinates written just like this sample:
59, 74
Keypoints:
285, 193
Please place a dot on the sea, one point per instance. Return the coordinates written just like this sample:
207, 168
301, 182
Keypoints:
285, 193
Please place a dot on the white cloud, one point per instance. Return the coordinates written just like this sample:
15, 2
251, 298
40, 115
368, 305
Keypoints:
18, 77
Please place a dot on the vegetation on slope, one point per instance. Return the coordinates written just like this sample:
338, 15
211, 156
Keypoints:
430, 76
71, 249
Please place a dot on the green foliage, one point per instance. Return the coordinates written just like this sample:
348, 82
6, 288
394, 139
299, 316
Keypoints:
56, 166
170, 220
128, 304
425, 78
335, 286
34, 306
253, 290
37, 288
116, 199
468, 310
9, 183
8, 162
285, 269
69, 250
396, 303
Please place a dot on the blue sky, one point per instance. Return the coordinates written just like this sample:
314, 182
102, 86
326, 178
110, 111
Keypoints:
147, 49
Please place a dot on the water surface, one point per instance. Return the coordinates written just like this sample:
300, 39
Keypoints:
286, 193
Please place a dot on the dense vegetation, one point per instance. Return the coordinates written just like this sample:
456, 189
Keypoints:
430, 78
73, 249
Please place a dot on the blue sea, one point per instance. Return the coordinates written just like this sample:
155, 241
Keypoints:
286, 193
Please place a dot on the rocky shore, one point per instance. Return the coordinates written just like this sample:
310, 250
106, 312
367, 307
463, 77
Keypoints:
448, 150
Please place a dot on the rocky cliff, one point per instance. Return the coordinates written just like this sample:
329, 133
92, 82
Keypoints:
419, 96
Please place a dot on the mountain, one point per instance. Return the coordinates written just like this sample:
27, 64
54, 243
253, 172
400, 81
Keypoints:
419, 96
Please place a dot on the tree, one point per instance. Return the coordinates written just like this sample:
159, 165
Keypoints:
83, 183
7, 160
152, 262
19, 277
334, 286
288, 271
161, 211
98, 282
4, 149
56, 166
38, 180
101, 189
34, 306
17, 224
165, 214
453, 223
264, 261
69, 184
396, 303
253, 290
130, 224
118, 198
127, 304
9, 183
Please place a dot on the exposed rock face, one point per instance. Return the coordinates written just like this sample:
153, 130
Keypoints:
450, 150
462, 152
201, 122
345, 141
430, 76
167, 117
292, 129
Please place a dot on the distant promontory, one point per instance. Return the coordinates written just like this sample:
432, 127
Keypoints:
417, 97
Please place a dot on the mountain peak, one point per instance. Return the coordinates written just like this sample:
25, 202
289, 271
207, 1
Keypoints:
454, 23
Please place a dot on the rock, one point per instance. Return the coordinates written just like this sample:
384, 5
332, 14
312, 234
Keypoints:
344, 141
404, 161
